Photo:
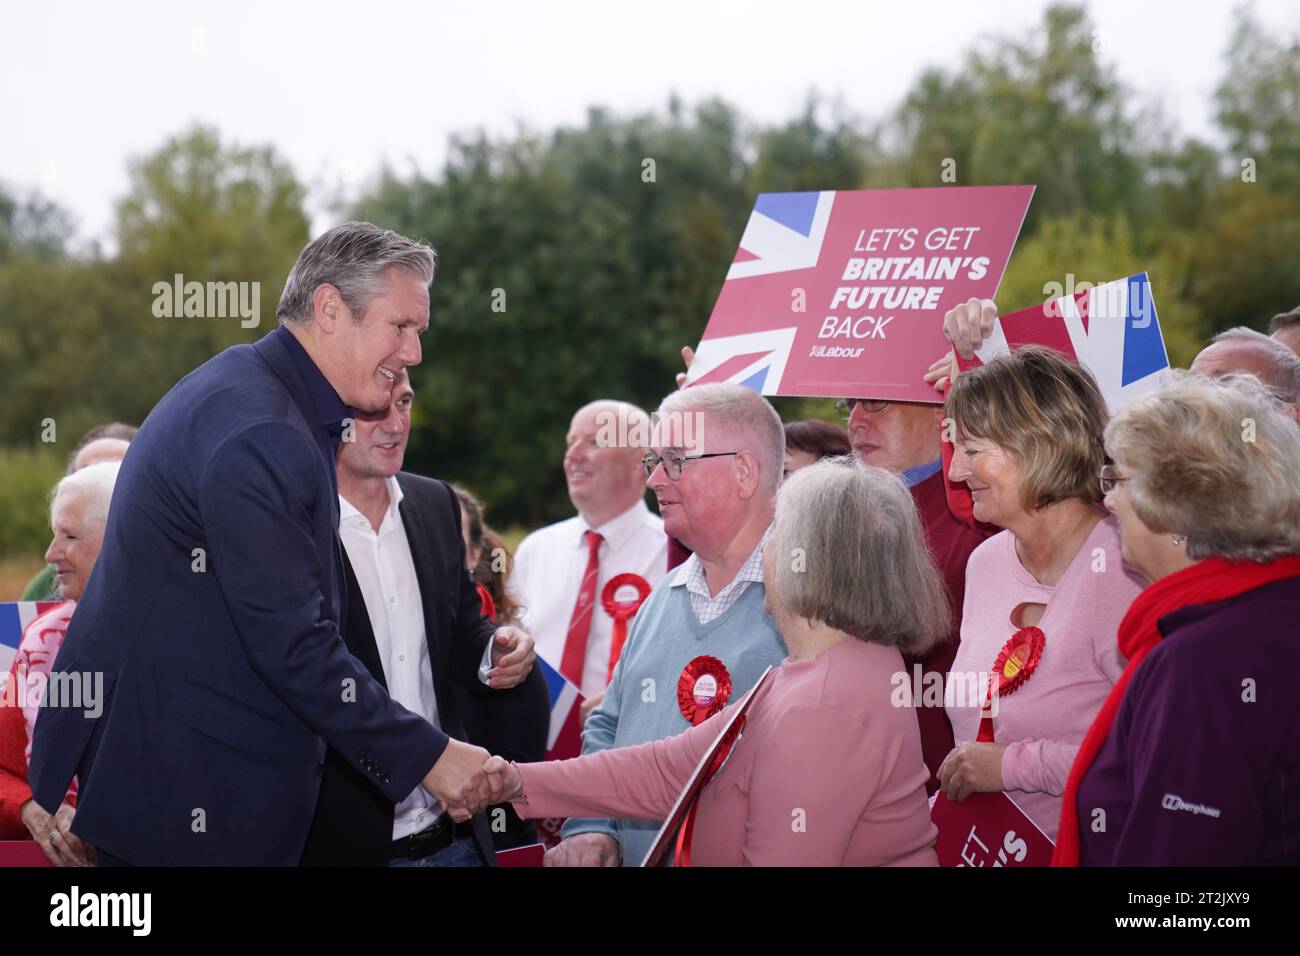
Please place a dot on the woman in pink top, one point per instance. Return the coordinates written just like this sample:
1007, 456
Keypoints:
828, 771
1028, 444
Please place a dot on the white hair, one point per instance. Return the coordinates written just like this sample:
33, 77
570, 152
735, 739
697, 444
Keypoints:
1283, 374
743, 412
95, 483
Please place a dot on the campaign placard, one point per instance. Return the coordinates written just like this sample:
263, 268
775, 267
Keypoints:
842, 294
988, 829
22, 853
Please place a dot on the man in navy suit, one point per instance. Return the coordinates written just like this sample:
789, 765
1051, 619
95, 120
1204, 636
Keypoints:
214, 612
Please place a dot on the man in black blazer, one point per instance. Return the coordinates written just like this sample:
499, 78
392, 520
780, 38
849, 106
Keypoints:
413, 618
214, 612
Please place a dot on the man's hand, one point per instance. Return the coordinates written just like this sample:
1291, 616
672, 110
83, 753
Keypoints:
457, 780
512, 658
505, 785
969, 324
587, 706
971, 767
54, 835
585, 849
688, 357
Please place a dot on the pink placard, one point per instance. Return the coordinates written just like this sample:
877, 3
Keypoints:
22, 853
988, 829
843, 294
530, 855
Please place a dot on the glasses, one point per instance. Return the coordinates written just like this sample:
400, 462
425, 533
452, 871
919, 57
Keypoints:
845, 406
674, 460
1109, 479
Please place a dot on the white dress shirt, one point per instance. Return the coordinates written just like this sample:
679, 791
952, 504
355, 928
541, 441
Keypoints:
549, 568
386, 574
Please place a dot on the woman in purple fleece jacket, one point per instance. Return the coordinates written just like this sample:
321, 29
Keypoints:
1196, 759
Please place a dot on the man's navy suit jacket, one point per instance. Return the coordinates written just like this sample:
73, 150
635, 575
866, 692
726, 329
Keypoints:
214, 616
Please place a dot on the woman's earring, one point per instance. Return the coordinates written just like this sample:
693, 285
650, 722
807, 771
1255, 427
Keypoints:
1177, 539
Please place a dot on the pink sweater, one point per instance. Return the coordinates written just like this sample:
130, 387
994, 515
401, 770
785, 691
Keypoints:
1043, 722
826, 773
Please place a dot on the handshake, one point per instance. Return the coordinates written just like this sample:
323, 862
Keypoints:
467, 779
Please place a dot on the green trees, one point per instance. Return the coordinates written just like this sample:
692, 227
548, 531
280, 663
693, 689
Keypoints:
81, 342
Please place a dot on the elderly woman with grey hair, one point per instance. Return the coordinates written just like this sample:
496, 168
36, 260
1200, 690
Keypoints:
1194, 759
829, 772
78, 513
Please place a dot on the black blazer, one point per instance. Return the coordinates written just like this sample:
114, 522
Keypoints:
353, 825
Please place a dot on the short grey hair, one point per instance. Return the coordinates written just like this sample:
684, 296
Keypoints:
1216, 461
741, 411
355, 258
1283, 374
1284, 320
96, 483
848, 550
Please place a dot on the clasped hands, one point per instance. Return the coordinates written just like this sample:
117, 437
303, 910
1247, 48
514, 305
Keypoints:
467, 779
53, 833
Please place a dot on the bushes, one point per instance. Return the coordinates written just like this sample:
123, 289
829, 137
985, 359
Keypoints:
26, 477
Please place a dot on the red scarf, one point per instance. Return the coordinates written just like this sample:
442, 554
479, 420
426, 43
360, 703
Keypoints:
1205, 582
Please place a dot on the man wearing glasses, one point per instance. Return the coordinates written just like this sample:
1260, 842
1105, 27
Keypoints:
702, 638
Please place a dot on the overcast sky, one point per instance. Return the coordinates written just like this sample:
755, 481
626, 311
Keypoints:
338, 86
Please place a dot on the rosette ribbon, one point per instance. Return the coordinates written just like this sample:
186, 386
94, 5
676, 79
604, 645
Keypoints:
621, 612
1014, 665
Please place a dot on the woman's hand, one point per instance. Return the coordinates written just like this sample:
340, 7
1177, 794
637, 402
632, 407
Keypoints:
969, 324
54, 835
971, 767
505, 784
966, 326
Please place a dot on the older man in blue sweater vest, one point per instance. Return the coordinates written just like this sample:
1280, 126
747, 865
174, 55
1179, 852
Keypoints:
702, 638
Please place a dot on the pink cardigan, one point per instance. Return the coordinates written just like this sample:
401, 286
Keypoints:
826, 773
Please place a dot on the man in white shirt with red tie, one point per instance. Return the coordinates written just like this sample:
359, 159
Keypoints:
562, 572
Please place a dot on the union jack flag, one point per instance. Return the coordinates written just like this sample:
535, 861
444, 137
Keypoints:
1111, 330
14, 618
564, 739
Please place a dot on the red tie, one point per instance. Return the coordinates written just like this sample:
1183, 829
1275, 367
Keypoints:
575, 645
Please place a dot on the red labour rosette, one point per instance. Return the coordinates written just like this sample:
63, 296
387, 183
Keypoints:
703, 689
1013, 666
621, 611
